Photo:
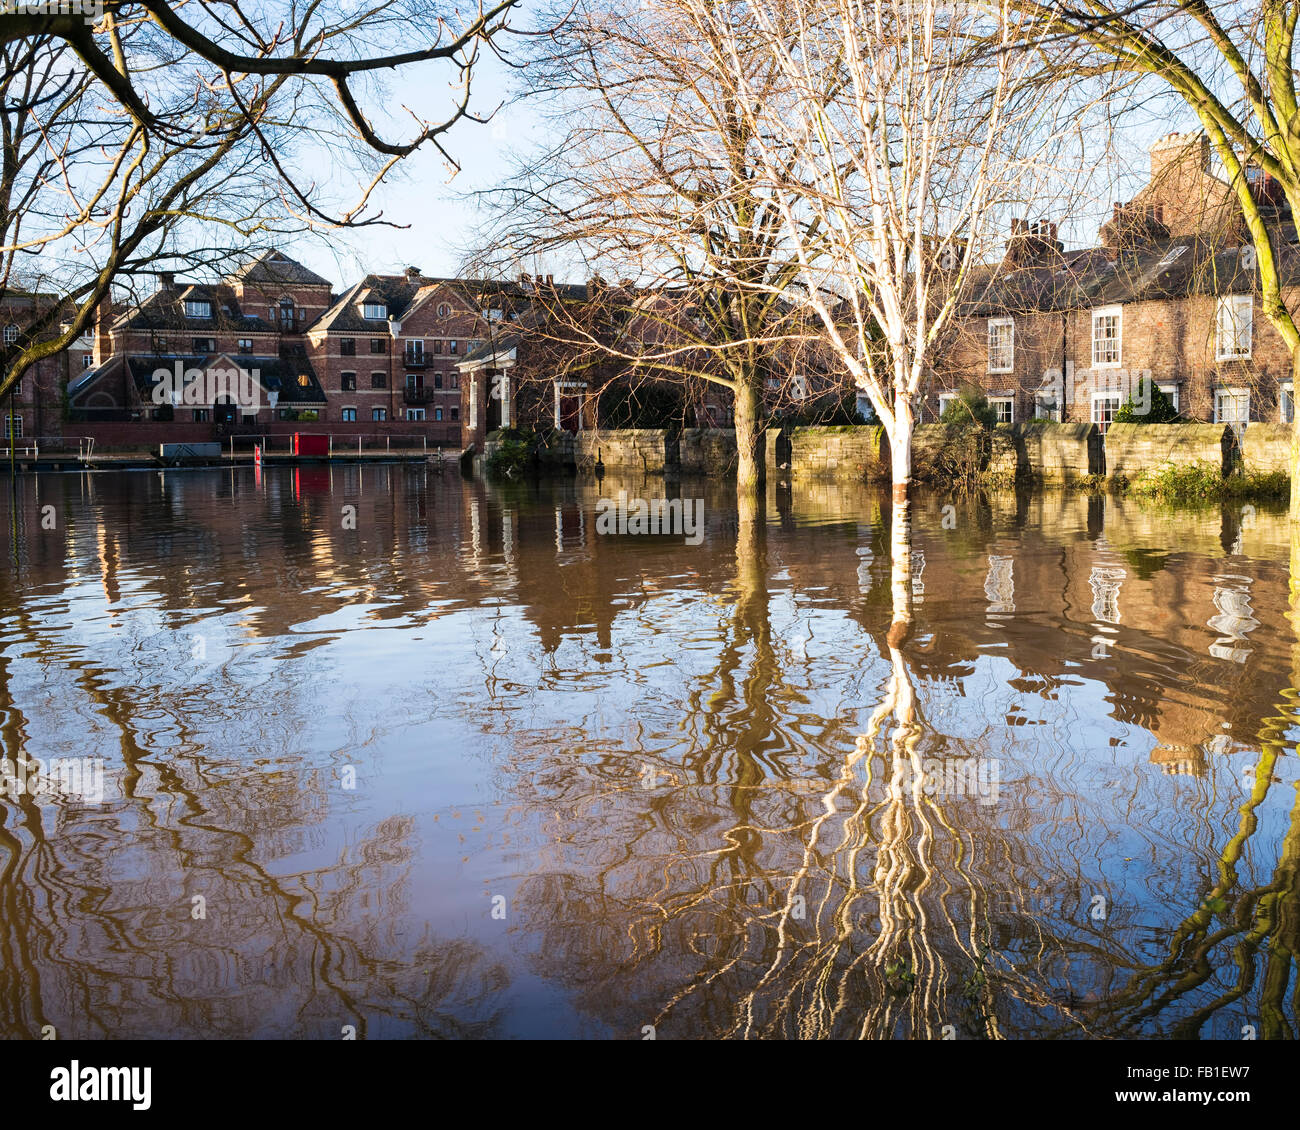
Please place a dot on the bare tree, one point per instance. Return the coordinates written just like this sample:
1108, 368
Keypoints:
652, 177
150, 131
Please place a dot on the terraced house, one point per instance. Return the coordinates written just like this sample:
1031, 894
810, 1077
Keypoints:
1171, 291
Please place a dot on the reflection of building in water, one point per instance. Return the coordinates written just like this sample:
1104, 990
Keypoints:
1106, 582
918, 567
1000, 584
1235, 617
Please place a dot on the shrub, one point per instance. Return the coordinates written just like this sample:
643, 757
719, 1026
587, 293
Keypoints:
516, 452
1160, 408
1203, 481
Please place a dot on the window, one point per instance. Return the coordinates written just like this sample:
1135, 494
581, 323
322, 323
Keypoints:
1104, 407
374, 311
437, 413
1232, 327
415, 351
349, 382
1171, 391
1232, 406
200, 415
287, 316
288, 413
379, 415
378, 380
304, 381
1107, 330
197, 308
946, 401
347, 347
87, 361
1045, 406
437, 380
1005, 407
348, 415
437, 347
453, 380
443, 310
203, 345
1002, 336
378, 345
161, 344
1172, 254
245, 345
18, 387
415, 413
451, 347
13, 427
11, 334
455, 413
1286, 402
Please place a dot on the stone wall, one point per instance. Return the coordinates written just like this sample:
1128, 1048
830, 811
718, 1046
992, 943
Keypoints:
850, 453
1058, 452
1132, 448
631, 449
1267, 447
707, 451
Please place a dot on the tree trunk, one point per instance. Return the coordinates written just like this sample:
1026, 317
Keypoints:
749, 415
900, 447
1295, 440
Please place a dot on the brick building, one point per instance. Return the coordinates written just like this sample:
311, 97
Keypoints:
1172, 291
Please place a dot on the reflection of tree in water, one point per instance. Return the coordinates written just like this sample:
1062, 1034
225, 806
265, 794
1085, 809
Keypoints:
774, 884
98, 939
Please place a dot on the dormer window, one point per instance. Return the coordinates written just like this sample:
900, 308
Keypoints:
198, 308
1172, 254
374, 311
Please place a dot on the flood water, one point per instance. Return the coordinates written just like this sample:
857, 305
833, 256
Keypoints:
389, 751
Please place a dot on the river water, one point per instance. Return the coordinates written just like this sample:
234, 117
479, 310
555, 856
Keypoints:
377, 751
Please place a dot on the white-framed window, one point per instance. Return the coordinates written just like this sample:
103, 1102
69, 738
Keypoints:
348, 415
1232, 406
378, 415
946, 400
415, 413
1002, 345
374, 311
1107, 336
1005, 407
87, 361
13, 427
1286, 402
11, 334
1104, 407
1171, 391
1232, 327
415, 350
198, 308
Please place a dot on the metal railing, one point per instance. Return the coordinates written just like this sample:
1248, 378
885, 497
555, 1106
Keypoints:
32, 446
361, 444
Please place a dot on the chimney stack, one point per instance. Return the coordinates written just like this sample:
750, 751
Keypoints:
166, 280
1033, 243
413, 273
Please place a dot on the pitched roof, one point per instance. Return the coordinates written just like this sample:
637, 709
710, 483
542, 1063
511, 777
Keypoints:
271, 267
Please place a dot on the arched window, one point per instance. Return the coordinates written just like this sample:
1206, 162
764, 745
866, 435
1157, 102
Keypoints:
11, 334
286, 315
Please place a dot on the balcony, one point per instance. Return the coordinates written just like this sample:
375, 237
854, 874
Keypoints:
417, 395
415, 360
